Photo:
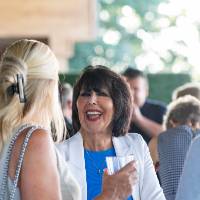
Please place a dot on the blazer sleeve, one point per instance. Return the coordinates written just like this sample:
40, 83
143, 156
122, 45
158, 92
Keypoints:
149, 185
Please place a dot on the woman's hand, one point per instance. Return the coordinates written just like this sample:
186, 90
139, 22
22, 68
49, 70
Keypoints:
119, 185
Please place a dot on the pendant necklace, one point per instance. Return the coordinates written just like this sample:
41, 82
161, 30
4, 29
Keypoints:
99, 170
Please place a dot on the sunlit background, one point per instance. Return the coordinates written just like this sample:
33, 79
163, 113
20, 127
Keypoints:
154, 36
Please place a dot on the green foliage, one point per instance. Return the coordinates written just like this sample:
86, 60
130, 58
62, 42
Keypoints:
100, 53
162, 85
122, 53
140, 40
68, 78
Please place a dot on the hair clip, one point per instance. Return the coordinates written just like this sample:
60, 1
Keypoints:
18, 88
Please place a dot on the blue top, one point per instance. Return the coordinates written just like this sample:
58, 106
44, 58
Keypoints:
95, 163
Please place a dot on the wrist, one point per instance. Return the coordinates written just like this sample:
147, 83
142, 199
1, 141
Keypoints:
105, 196
101, 197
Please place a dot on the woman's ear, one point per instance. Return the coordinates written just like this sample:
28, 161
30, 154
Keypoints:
173, 124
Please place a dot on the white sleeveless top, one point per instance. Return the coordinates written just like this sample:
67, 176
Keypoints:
8, 188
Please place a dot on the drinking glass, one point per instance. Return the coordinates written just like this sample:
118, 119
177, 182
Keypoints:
115, 163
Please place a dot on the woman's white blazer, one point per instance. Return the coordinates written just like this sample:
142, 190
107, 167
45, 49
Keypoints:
147, 187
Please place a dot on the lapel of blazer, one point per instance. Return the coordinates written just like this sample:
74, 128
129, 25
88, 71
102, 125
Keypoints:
77, 162
124, 147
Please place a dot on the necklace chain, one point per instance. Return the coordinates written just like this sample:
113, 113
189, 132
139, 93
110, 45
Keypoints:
99, 169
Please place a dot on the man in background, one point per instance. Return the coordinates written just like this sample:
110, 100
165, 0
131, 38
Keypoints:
66, 103
148, 114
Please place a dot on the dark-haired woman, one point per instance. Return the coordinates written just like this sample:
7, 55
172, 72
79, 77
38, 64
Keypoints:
101, 115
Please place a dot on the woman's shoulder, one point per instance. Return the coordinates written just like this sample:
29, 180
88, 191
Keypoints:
39, 142
131, 140
137, 140
31, 145
134, 137
35, 136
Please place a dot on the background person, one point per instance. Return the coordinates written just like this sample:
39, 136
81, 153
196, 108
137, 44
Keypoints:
188, 187
101, 117
147, 114
29, 104
66, 92
192, 89
182, 122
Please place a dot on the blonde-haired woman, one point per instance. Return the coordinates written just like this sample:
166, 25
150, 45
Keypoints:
29, 107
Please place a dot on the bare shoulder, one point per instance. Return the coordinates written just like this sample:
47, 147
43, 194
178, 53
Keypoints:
40, 146
39, 140
39, 175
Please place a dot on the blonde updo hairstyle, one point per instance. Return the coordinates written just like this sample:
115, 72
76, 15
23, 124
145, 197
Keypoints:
39, 68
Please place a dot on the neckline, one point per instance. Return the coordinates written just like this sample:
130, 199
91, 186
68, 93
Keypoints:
97, 158
100, 151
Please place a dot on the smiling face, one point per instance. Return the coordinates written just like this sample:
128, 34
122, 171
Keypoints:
139, 90
102, 102
95, 111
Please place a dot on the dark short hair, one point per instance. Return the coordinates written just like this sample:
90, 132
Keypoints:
133, 73
98, 77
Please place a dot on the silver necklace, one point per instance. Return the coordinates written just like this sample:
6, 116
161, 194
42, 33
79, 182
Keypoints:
99, 169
